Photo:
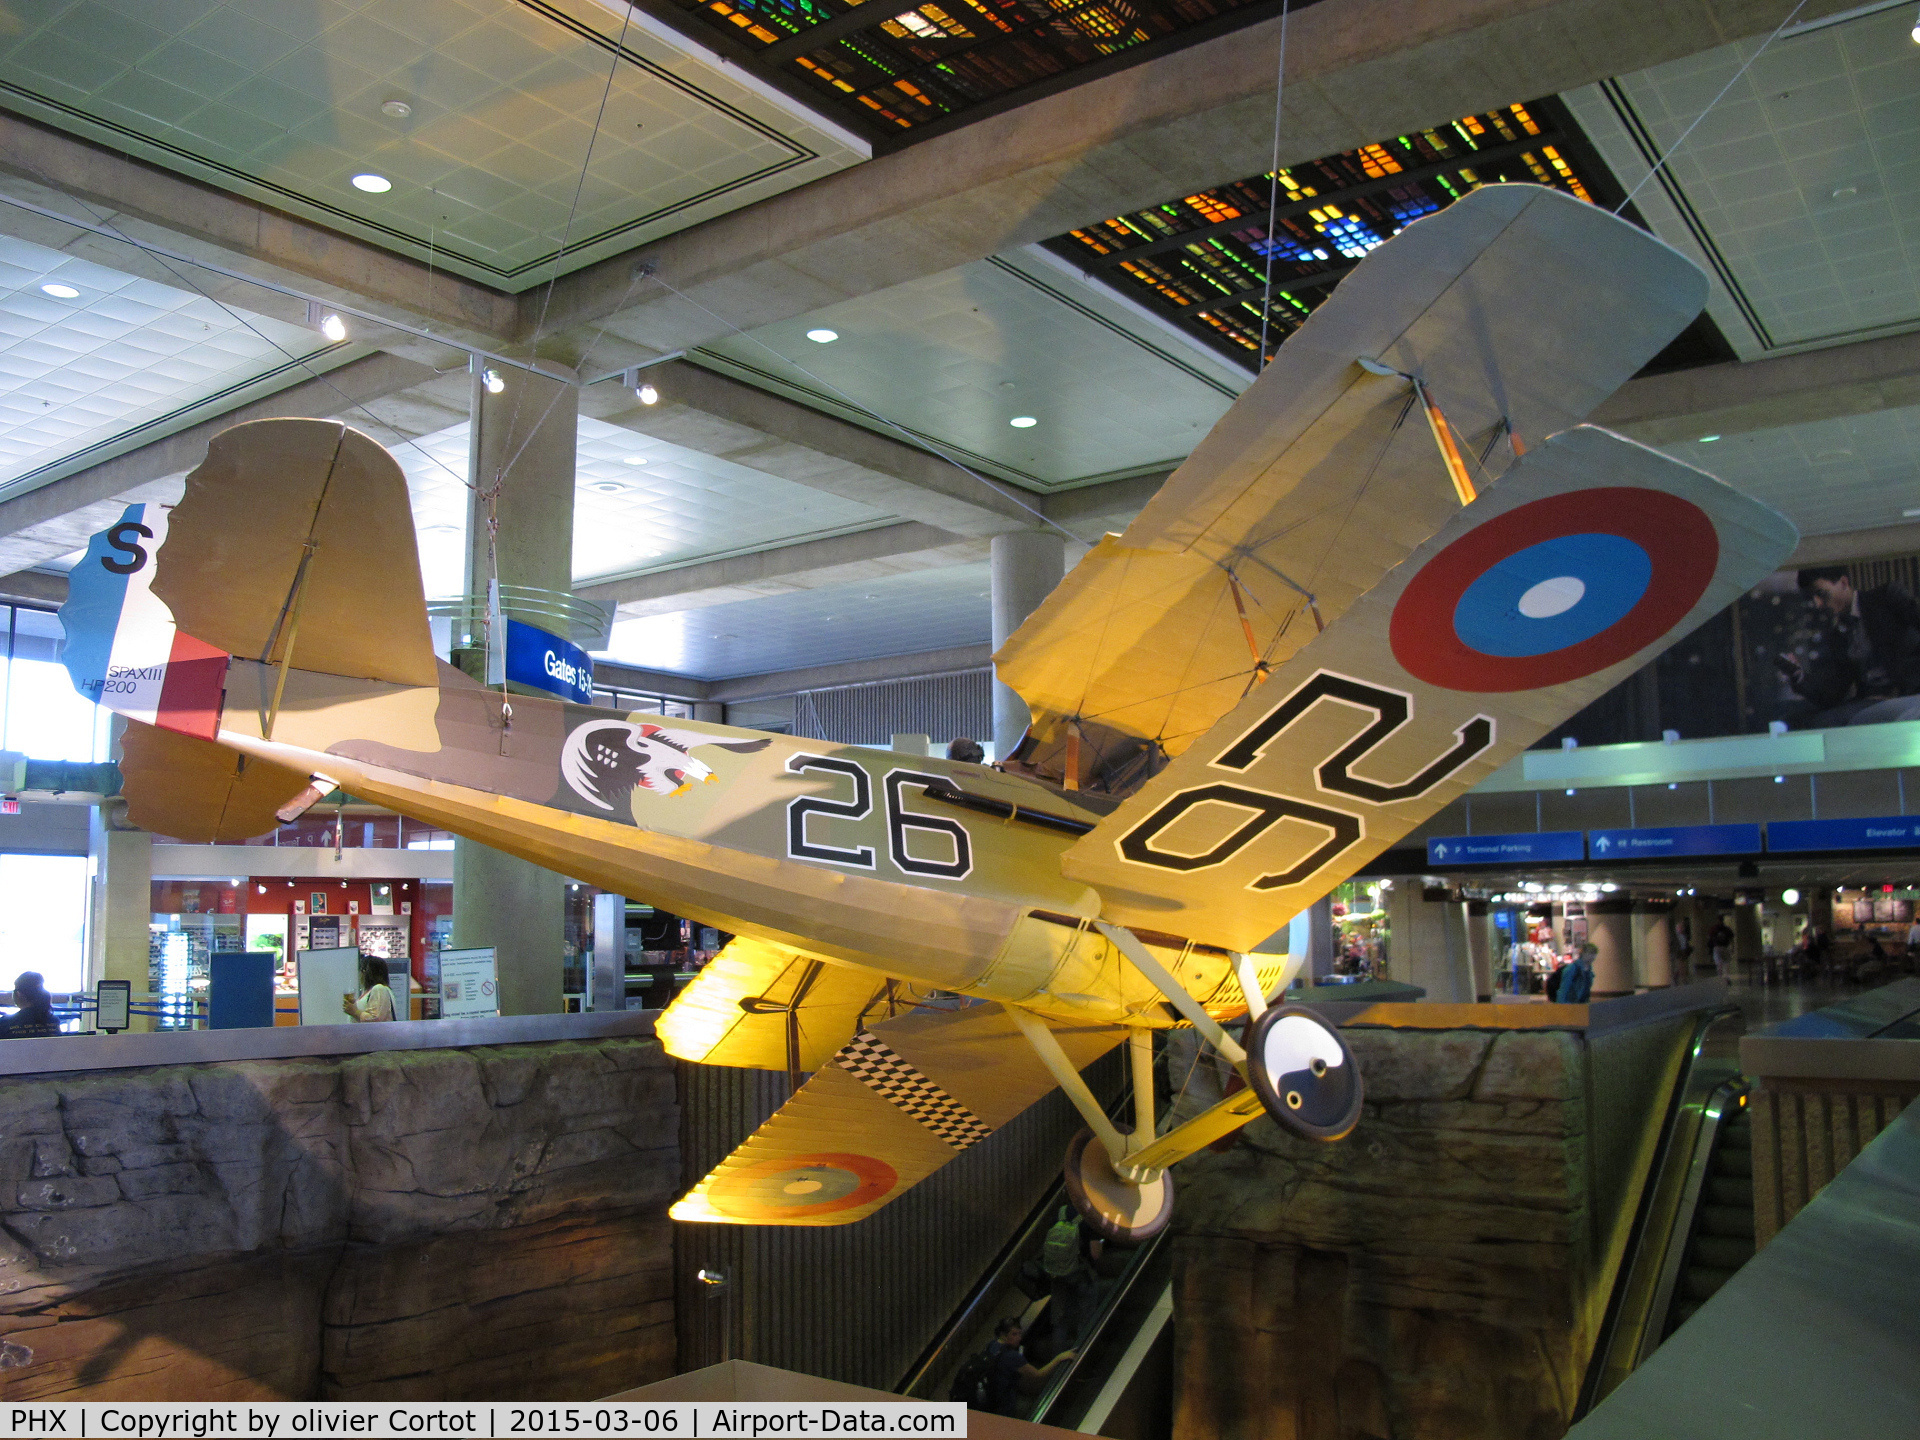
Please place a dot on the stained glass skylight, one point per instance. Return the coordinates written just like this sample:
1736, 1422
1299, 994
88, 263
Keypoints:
893, 71
1201, 260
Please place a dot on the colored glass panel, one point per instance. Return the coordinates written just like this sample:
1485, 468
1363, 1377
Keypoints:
1202, 260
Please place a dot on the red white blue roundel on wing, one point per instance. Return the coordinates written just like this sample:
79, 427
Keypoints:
1554, 590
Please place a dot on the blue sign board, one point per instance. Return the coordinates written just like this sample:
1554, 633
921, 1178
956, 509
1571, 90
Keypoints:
1523, 849
1889, 832
1673, 840
546, 662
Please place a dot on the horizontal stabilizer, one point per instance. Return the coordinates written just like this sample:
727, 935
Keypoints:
896, 1103
201, 792
736, 1011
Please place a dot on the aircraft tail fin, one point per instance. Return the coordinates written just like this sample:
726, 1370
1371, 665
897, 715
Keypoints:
297, 536
293, 544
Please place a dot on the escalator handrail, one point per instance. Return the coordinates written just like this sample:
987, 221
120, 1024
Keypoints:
1057, 1383
1666, 1190
967, 1315
1726, 1099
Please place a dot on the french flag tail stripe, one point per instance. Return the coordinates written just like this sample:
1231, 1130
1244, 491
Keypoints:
123, 649
194, 688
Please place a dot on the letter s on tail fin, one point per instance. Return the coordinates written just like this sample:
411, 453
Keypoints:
123, 649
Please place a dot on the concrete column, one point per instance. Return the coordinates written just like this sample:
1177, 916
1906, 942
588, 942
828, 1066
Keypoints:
523, 439
1026, 566
710, 710
1610, 930
1429, 944
1320, 939
1481, 948
121, 904
1653, 948
1748, 946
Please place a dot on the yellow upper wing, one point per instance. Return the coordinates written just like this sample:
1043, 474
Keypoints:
736, 1010
1519, 309
1591, 556
897, 1102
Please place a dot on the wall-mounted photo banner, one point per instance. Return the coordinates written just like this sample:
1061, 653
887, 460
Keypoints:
1810, 649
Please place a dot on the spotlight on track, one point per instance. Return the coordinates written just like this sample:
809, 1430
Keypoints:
334, 328
646, 394
493, 380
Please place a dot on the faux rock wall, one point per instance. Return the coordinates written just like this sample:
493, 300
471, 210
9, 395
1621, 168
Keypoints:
1426, 1277
486, 1223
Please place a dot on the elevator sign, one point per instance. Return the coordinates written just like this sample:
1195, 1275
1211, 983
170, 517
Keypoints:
546, 662
1528, 847
1889, 832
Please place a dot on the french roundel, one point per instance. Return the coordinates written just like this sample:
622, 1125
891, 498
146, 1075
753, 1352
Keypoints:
1555, 590
799, 1187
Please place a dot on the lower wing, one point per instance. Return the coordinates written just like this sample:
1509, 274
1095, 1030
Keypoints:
765, 1007
894, 1104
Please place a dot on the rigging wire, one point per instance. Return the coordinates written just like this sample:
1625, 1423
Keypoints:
1661, 163
1273, 187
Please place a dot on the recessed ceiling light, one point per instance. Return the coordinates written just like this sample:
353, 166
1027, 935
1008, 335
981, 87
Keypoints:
398, 109
1023, 422
823, 337
59, 291
633, 459
1911, 513
608, 487
372, 184
1708, 439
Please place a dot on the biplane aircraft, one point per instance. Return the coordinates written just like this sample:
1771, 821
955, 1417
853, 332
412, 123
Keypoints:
1397, 561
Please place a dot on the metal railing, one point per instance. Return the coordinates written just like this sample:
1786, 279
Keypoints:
556, 611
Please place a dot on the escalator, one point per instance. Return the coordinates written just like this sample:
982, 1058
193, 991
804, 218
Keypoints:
1721, 1239
1695, 1224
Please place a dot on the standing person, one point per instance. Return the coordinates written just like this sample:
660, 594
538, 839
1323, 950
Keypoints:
1683, 943
1576, 981
33, 1020
1720, 946
1913, 943
376, 1000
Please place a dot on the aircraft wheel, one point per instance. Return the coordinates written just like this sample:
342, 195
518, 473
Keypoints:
1303, 1072
1116, 1207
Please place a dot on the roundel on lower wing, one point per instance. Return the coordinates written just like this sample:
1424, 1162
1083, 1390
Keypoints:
801, 1186
1555, 590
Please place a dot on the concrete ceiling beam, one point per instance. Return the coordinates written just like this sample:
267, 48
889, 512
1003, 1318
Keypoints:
72, 195
60, 516
851, 672
717, 416
863, 556
1357, 70
1736, 397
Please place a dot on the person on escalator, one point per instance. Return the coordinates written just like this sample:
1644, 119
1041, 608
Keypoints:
1010, 1374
